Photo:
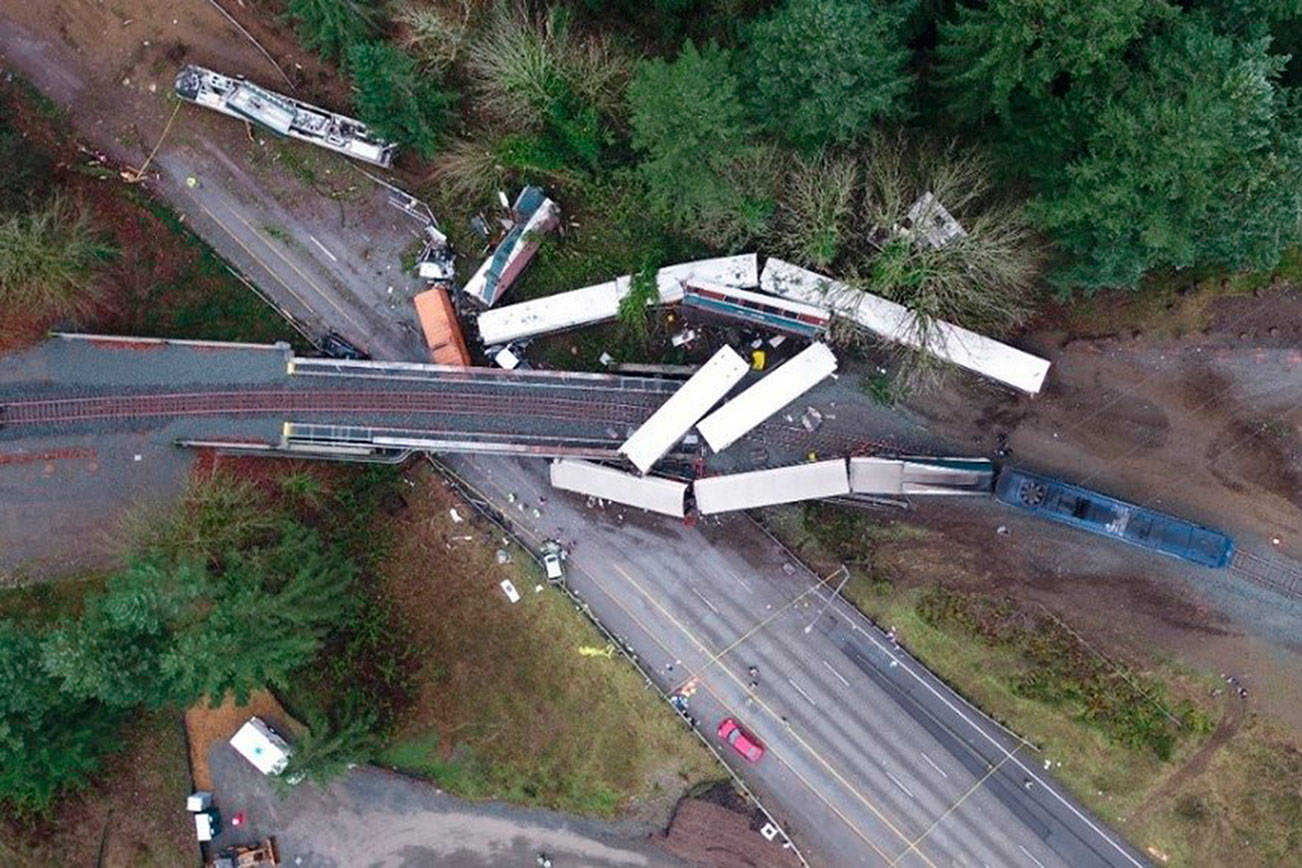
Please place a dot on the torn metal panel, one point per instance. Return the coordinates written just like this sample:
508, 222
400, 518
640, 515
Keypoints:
283, 115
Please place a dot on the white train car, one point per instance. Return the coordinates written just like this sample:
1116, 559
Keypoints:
895, 322
663, 496
283, 115
786, 383
685, 407
920, 475
715, 494
598, 303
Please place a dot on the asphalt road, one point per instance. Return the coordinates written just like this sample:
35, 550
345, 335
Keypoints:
870, 760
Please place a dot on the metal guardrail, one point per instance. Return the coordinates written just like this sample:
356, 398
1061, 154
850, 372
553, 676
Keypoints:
860, 614
485, 508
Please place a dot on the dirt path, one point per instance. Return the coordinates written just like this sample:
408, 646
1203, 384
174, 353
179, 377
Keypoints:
1226, 727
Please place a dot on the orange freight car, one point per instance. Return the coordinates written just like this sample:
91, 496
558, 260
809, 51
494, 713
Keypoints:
438, 320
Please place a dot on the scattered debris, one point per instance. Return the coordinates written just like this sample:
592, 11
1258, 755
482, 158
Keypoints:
532, 216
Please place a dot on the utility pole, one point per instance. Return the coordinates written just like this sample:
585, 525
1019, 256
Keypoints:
845, 578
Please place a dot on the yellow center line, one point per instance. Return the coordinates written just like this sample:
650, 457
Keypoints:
972, 789
712, 658
256, 258
765, 706
309, 281
775, 753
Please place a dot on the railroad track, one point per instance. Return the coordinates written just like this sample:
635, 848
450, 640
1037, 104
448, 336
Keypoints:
93, 408
1278, 574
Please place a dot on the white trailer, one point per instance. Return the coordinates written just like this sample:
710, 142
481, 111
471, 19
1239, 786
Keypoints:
920, 475
736, 491
895, 322
651, 493
260, 745
598, 303
675, 417
784, 384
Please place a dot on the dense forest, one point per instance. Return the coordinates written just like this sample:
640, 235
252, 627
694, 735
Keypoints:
1084, 146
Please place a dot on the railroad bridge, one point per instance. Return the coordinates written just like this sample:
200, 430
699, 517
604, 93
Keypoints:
265, 399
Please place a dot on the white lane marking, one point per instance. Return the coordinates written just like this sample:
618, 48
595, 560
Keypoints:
897, 783
333, 258
1008, 755
736, 578
1029, 856
837, 674
801, 691
705, 600
933, 765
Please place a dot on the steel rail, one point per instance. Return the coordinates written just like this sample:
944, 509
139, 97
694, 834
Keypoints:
63, 410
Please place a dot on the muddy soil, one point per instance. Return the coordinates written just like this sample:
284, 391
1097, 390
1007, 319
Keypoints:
1208, 427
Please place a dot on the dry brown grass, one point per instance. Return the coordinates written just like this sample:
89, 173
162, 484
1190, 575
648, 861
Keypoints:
507, 706
206, 725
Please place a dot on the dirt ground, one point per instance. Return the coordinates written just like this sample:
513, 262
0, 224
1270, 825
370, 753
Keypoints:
1206, 426
205, 725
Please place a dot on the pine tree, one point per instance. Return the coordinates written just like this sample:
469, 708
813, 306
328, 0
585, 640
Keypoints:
825, 71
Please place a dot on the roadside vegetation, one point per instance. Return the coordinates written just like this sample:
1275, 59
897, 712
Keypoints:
81, 250
1189, 777
334, 587
525, 701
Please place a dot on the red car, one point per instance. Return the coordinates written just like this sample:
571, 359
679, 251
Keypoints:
742, 742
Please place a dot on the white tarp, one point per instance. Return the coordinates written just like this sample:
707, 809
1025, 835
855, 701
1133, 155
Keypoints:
871, 475
784, 384
675, 417
259, 745
768, 487
593, 304
894, 322
664, 496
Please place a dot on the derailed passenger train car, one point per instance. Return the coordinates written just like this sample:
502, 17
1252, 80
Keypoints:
1089, 510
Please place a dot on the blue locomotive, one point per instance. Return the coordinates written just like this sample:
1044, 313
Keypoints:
1089, 510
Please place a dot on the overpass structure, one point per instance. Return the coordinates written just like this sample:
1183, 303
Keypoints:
265, 399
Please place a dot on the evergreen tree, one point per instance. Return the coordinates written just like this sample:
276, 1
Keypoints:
699, 166
1192, 159
1008, 51
331, 745
48, 742
168, 634
331, 27
394, 100
825, 70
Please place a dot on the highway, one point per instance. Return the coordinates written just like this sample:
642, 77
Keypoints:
870, 760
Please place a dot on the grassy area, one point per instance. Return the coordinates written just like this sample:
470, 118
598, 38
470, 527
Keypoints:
1100, 723
509, 706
